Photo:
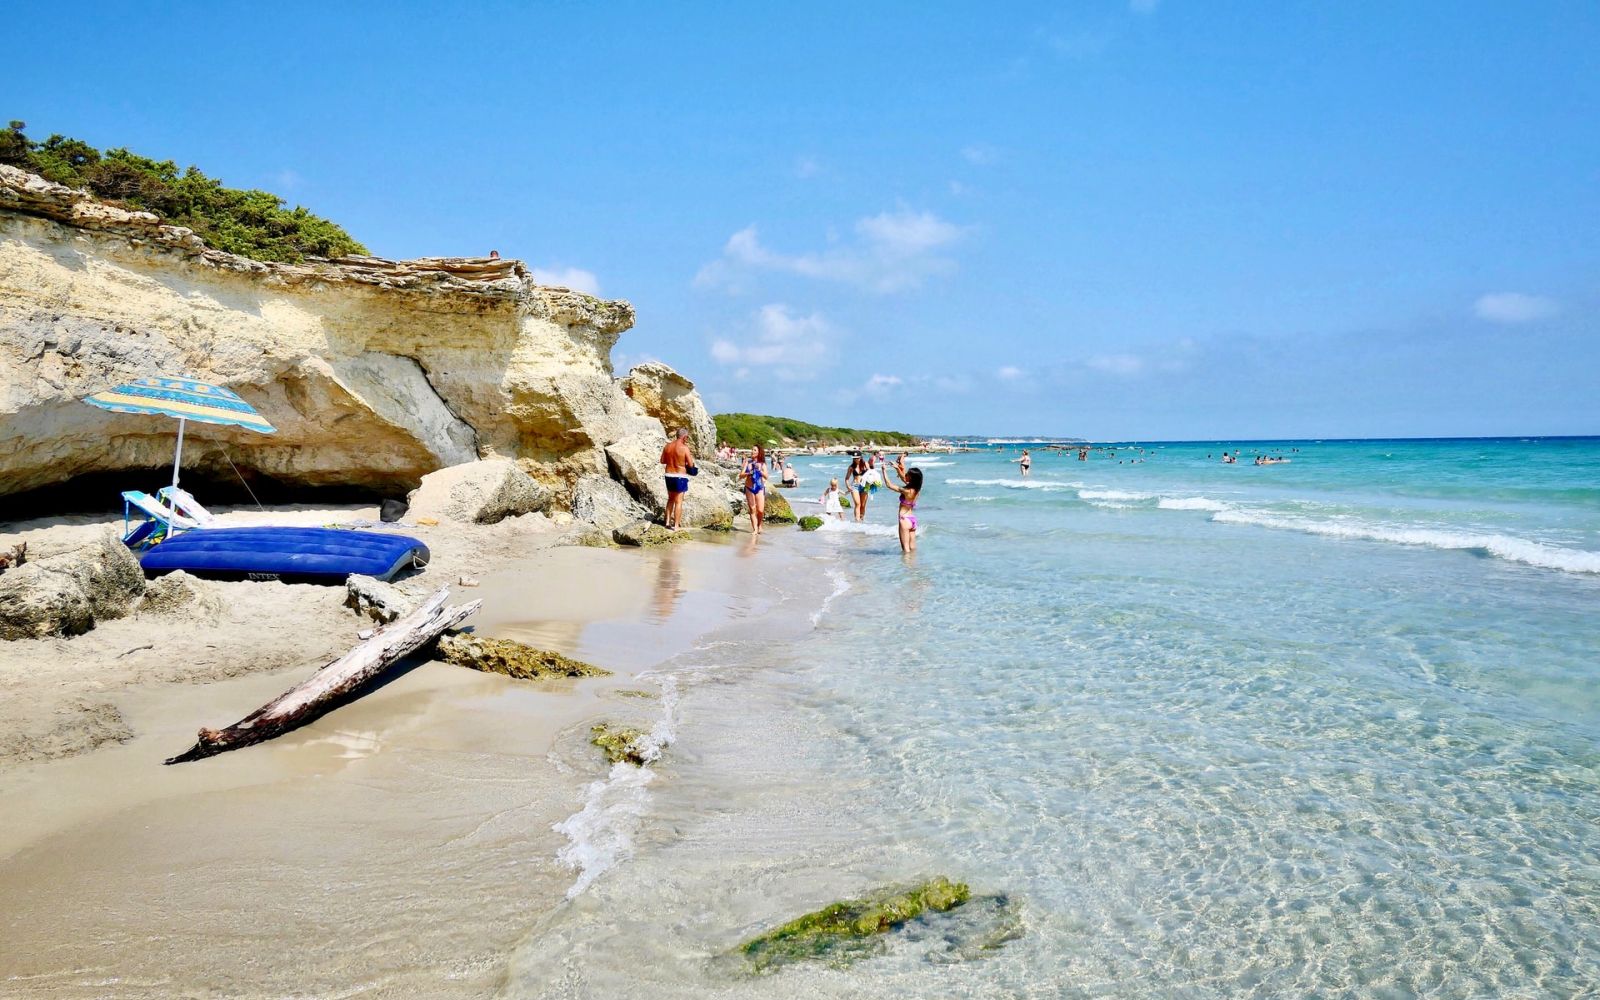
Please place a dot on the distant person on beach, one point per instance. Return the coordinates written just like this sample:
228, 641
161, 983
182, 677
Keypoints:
494, 255
830, 501
755, 488
1025, 463
909, 489
679, 460
789, 477
855, 480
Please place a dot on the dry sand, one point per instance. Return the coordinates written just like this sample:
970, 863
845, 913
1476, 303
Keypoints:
399, 846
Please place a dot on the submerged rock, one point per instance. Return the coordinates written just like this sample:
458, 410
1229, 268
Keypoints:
851, 929
484, 492
511, 658
778, 509
620, 743
810, 522
67, 593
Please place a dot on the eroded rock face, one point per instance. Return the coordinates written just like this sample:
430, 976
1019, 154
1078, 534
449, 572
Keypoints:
66, 593
375, 372
671, 399
483, 492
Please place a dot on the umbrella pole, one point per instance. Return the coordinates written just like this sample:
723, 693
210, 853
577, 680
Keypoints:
178, 455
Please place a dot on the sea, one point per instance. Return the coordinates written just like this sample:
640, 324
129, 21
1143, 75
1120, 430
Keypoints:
1323, 728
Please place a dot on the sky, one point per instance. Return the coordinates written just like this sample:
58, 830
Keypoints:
1157, 219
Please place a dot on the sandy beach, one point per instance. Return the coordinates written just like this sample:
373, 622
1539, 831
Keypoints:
399, 846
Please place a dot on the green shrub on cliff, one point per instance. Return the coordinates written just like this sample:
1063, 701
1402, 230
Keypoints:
251, 223
746, 430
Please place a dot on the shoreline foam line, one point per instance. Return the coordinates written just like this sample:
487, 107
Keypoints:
1506, 547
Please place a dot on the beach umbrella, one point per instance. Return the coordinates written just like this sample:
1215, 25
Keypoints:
184, 399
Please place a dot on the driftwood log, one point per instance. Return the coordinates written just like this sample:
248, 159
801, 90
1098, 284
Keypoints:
323, 689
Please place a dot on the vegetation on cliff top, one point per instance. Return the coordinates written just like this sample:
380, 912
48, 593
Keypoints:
745, 430
256, 224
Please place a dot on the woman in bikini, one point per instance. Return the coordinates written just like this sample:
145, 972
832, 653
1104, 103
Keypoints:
856, 482
910, 489
755, 489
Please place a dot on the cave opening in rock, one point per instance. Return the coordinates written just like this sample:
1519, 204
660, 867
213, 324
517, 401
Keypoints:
101, 492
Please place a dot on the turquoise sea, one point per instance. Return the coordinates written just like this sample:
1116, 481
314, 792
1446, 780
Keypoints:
1325, 728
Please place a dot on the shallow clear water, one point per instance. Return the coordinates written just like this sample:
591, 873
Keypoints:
1323, 728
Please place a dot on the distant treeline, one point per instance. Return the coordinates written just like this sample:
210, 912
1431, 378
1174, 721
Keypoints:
255, 224
746, 430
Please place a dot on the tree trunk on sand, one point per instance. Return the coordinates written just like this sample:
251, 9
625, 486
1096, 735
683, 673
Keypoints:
317, 693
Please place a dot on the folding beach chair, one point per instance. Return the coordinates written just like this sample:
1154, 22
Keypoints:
160, 521
182, 501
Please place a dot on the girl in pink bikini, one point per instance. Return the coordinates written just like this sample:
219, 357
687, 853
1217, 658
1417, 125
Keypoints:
909, 489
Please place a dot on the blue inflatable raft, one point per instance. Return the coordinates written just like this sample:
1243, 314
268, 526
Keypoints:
327, 555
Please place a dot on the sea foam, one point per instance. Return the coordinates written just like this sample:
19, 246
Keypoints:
1192, 503
600, 835
1507, 547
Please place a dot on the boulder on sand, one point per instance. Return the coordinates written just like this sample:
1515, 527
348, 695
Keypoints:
605, 503
853, 928
635, 461
66, 593
179, 593
645, 534
382, 602
481, 492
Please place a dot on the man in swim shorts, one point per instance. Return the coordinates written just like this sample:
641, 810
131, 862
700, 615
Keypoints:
678, 459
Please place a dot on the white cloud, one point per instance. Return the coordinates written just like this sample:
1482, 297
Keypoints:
878, 387
1009, 373
1143, 6
287, 180
980, 154
1117, 364
1514, 307
892, 252
807, 167
793, 347
575, 278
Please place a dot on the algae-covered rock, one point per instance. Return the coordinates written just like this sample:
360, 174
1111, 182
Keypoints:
810, 522
620, 743
778, 509
593, 538
852, 929
512, 658
645, 534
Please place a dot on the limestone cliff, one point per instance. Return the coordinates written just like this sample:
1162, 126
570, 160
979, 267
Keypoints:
375, 372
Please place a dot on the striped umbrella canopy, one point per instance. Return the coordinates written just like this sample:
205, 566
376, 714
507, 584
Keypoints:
185, 399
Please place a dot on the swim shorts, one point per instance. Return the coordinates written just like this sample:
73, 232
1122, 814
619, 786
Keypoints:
677, 484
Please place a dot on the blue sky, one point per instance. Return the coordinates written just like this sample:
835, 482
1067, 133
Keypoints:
1157, 219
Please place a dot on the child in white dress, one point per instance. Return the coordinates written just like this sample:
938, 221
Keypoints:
830, 501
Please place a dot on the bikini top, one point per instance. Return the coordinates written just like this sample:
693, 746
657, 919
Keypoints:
908, 505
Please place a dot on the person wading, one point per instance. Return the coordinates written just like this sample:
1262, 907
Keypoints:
679, 461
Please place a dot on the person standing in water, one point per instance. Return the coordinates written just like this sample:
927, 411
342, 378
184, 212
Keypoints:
679, 460
855, 479
830, 501
755, 488
910, 489
1025, 463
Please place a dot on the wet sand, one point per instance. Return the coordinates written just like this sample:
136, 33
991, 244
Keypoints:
399, 846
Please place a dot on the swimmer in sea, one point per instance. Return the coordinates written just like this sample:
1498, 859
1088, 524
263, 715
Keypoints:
1025, 463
